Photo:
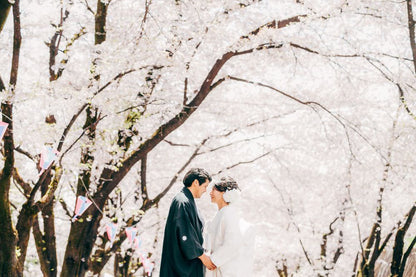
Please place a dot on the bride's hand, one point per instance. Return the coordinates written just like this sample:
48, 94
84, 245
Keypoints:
207, 262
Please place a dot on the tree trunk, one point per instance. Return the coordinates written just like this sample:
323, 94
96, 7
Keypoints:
4, 12
100, 22
46, 241
8, 234
81, 240
83, 233
23, 226
121, 265
398, 262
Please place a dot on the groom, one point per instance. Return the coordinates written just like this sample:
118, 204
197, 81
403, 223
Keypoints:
183, 254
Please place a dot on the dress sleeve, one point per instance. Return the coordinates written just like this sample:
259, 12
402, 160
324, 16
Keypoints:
187, 234
232, 240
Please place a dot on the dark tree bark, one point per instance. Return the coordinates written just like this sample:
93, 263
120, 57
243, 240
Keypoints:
4, 12
101, 22
46, 241
399, 258
8, 260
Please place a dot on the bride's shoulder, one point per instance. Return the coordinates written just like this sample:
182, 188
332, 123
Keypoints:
230, 212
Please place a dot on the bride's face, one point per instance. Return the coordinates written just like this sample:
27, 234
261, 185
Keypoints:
216, 196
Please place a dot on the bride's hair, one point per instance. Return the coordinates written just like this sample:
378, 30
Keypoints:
230, 188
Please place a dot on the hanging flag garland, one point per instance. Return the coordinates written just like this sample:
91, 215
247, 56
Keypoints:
81, 205
134, 239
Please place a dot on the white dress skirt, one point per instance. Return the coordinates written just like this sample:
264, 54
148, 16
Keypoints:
229, 241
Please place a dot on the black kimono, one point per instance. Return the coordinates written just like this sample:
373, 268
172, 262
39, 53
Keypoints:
182, 243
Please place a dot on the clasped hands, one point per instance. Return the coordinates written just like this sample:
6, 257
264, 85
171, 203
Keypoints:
206, 260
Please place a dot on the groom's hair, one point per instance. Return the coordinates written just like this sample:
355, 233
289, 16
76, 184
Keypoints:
199, 174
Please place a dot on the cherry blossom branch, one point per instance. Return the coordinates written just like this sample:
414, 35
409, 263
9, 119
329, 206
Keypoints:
25, 153
243, 162
306, 103
54, 45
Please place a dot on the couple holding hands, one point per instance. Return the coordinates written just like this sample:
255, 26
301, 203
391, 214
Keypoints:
223, 249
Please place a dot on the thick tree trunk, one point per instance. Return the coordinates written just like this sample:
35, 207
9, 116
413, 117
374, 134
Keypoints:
81, 240
121, 265
23, 226
83, 232
398, 262
8, 234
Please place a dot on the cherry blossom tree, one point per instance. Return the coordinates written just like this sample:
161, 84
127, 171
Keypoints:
306, 102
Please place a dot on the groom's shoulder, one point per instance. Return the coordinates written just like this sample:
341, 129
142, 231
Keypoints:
180, 198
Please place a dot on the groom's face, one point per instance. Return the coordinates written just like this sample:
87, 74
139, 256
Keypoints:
202, 189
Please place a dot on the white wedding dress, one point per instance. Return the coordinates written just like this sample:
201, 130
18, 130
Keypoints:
229, 241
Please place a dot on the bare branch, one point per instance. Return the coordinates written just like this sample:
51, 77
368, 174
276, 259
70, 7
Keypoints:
84, 131
243, 162
101, 21
325, 237
175, 144
69, 126
65, 207
122, 74
67, 48
54, 45
17, 39
143, 180
307, 103
24, 152
406, 256
88, 7
146, 13
24, 185
38, 206
290, 213
185, 91
275, 25
411, 25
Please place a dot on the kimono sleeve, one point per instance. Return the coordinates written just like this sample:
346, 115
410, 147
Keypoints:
232, 241
187, 234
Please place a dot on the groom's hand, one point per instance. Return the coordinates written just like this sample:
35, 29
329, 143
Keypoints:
207, 262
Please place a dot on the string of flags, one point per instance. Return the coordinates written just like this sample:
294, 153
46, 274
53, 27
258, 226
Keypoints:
136, 243
133, 238
47, 157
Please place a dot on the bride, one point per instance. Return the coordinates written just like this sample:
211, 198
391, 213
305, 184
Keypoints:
229, 241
